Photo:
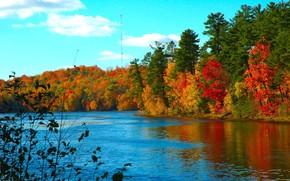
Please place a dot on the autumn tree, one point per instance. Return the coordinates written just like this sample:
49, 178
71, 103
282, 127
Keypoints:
259, 79
184, 94
216, 82
153, 105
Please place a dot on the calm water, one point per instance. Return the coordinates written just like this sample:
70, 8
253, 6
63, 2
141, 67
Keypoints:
172, 149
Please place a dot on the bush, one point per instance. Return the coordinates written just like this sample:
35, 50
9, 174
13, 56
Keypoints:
245, 108
34, 146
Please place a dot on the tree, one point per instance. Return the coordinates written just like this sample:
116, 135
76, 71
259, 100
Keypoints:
184, 94
280, 56
273, 20
169, 50
216, 81
259, 79
156, 73
216, 27
135, 73
153, 105
240, 38
188, 52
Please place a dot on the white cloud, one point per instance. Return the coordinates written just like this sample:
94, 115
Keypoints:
75, 25
79, 25
109, 55
149, 39
26, 8
11, 3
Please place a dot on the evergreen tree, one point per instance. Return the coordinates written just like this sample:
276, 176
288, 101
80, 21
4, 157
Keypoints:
146, 60
187, 54
280, 56
241, 36
216, 27
170, 50
274, 26
135, 73
155, 76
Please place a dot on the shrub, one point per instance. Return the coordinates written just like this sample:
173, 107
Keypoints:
34, 146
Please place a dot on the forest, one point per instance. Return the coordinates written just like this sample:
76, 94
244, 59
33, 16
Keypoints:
242, 71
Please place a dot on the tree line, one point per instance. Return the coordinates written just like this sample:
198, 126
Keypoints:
243, 70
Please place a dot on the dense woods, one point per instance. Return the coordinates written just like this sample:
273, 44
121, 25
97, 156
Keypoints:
243, 70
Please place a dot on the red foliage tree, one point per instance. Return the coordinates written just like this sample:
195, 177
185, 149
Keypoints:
259, 79
216, 82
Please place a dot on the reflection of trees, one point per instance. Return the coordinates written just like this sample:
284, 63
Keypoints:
254, 146
268, 149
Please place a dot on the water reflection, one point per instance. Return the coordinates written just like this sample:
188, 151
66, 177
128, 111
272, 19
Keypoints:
170, 149
255, 150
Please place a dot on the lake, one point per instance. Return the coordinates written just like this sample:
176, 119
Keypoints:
185, 149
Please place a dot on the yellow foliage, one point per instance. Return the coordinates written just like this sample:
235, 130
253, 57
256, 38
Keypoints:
93, 105
152, 105
190, 96
241, 89
228, 103
125, 103
211, 107
185, 93
168, 79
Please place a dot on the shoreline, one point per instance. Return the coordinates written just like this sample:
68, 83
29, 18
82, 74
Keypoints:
212, 117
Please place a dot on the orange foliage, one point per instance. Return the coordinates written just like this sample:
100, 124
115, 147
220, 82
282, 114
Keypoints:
259, 79
86, 88
153, 105
185, 94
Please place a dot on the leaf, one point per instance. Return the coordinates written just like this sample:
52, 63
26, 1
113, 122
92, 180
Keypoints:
50, 150
98, 149
87, 133
118, 176
94, 158
81, 137
128, 164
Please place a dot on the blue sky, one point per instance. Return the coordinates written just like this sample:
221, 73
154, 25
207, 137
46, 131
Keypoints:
45, 35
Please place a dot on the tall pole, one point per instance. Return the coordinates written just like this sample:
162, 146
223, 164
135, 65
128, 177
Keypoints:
76, 57
121, 40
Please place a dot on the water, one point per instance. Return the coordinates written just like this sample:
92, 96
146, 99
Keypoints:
185, 149
174, 149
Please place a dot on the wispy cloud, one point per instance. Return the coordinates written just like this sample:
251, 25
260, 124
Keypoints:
79, 25
26, 8
29, 25
109, 55
75, 25
149, 39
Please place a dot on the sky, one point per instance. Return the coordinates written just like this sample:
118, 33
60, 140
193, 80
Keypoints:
46, 35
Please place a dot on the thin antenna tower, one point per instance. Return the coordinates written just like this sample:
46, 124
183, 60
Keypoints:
121, 40
76, 57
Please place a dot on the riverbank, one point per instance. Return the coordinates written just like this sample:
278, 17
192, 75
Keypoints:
215, 117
